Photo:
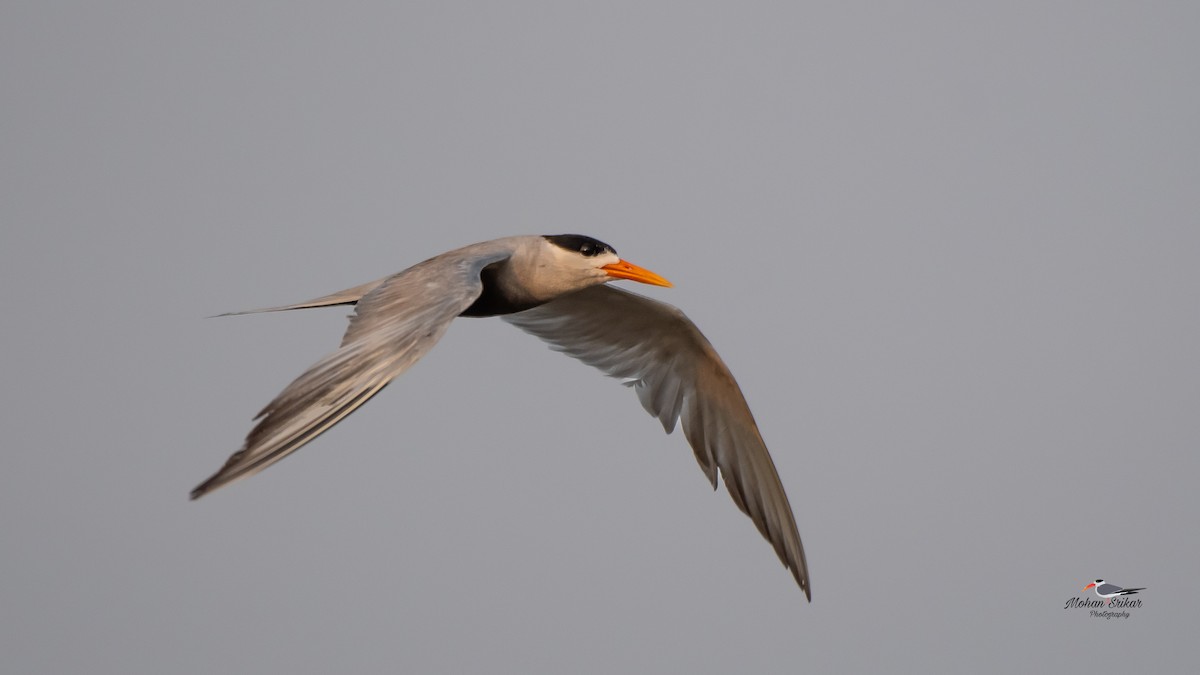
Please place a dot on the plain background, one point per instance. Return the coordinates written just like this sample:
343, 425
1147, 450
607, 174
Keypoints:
949, 250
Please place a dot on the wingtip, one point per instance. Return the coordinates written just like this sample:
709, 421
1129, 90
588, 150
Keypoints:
261, 310
243, 312
205, 488
802, 582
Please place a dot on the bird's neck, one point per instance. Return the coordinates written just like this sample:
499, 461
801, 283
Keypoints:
505, 291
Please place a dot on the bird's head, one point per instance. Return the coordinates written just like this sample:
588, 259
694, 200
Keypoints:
1093, 584
582, 261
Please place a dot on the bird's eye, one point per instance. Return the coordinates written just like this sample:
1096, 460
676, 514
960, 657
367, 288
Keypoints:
588, 250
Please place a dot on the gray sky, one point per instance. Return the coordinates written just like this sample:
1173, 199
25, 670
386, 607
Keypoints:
949, 252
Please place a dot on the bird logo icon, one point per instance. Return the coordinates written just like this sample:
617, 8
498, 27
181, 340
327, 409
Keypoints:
1109, 591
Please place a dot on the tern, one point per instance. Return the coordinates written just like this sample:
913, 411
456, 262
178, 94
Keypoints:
1110, 591
552, 286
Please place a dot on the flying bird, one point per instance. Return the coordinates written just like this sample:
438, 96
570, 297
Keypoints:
1110, 591
553, 287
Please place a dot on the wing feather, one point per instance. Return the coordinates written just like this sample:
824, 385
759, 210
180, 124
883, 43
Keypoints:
394, 324
678, 377
346, 297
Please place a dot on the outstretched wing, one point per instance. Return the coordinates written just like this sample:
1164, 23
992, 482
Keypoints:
677, 376
393, 326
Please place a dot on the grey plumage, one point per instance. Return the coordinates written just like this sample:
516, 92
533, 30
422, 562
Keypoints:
677, 374
1113, 589
666, 360
394, 324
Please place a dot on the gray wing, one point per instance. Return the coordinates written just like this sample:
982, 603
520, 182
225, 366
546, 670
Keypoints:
1105, 589
393, 326
346, 297
677, 375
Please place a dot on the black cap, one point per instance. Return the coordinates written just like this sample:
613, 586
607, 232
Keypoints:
578, 243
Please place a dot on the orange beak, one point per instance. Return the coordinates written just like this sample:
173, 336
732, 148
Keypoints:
1088, 586
627, 270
